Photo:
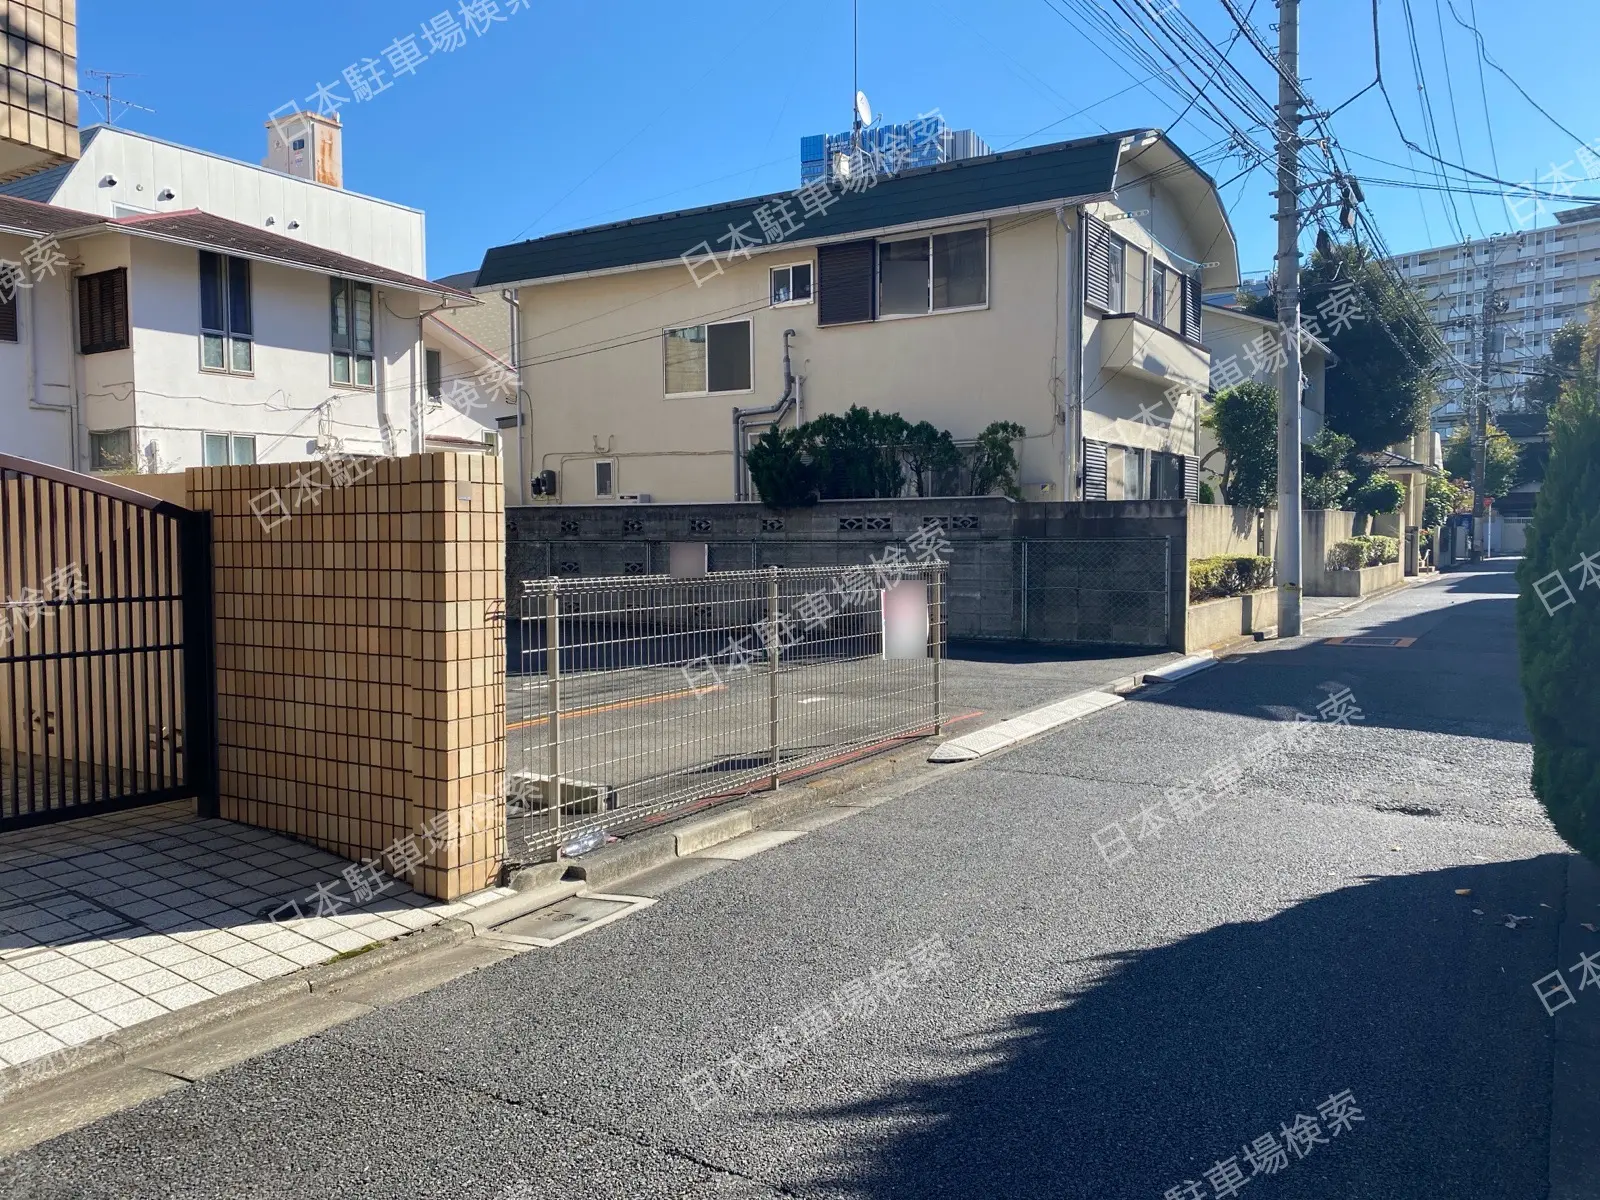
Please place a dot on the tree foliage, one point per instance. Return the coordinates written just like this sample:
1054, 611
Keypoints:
865, 454
1559, 641
1444, 498
1382, 386
1500, 461
1378, 494
1244, 419
1325, 480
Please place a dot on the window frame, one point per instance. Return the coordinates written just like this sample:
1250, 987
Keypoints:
230, 338
231, 449
928, 236
610, 464
132, 452
811, 288
433, 375
11, 317
750, 346
352, 289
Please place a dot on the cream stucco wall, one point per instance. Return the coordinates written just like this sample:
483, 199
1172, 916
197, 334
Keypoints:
593, 366
592, 351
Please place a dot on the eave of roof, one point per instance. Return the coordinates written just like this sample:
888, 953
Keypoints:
206, 231
1225, 311
1015, 180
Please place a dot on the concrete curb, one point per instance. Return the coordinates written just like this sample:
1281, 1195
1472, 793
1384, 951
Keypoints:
1575, 1051
1201, 660
1008, 733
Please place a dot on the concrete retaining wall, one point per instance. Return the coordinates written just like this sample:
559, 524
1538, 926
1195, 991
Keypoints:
1223, 529
1215, 622
1364, 582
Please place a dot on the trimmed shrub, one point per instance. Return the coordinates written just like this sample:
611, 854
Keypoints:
1558, 625
1206, 493
1228, 575
1363, 551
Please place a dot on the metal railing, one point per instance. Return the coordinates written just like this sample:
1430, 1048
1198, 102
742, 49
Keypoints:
634, 699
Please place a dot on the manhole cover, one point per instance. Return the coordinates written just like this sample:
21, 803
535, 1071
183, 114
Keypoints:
1386, 643
569, 918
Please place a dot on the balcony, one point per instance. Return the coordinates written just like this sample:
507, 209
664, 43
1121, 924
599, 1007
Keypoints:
1135, 346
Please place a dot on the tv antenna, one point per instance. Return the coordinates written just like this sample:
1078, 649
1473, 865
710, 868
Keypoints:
105, 99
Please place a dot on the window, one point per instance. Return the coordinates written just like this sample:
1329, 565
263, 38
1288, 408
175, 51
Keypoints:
604, 476
230, 450
299, 144
845, 282
936, 273
111, 450
1118, 252
491, 441
103, 311
705, 359
351, 318
1166, 297
1125, 473
791, 284
225, 314
434, 362
1166, 476
9, 328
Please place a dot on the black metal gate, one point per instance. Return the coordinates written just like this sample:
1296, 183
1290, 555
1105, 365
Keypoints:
107, 671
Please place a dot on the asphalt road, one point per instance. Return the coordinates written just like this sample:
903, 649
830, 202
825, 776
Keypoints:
1097, 1030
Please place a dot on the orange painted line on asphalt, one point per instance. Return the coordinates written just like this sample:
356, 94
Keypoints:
634, 703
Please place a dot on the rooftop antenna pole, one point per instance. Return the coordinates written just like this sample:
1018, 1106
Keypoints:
105, 97
855, 73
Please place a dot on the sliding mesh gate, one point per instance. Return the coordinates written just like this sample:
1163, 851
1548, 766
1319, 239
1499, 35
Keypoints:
107, 681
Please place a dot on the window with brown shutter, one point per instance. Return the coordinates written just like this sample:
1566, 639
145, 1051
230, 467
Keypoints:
845, 282
103, 311
8, 316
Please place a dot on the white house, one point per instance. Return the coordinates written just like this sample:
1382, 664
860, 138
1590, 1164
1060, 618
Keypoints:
164, 307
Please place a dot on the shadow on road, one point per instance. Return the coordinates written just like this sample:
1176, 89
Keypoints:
1391, 988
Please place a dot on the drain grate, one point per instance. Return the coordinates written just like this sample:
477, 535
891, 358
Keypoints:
570, 918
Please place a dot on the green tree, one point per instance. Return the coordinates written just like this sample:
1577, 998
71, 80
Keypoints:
1444, 497
1324, 480
1500, 462
1559, 642
1382, 386
781, 468
1244, 419
1549, 374
928, 450
993, 460
1379, 494
857, 454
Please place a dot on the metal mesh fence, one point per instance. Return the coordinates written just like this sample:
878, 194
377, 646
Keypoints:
636, 698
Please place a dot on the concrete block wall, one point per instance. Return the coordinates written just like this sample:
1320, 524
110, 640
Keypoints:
360, 669
985, 584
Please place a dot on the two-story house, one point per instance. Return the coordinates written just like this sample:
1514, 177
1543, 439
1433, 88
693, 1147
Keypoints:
1057, 287
166, 307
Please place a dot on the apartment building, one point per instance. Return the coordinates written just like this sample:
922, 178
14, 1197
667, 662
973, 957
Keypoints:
1545, 277
38, 85
1057, 287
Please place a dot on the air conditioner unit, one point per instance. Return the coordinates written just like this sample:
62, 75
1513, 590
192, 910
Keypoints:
634, 498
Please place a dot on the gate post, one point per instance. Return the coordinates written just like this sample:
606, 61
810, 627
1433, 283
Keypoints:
938, 646
199, 661
552, 668
772, 671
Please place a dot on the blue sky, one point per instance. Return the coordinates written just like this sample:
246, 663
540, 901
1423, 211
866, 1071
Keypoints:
566, 115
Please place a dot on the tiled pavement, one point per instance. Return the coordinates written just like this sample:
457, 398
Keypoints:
112, 920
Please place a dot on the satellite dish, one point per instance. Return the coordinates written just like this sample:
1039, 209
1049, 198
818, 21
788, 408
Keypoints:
863, 109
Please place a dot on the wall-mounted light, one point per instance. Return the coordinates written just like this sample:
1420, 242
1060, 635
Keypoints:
166, 194
109, 181
271, 221
294, 224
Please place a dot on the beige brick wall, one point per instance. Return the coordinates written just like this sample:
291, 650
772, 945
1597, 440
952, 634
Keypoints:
360, 658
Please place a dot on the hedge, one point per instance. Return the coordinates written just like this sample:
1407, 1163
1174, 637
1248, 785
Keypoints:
1558, 628
1228, 575
1365, 551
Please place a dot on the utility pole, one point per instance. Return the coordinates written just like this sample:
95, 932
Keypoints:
1288, 548
1480, 420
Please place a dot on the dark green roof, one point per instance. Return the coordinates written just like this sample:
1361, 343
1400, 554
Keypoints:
1038, 175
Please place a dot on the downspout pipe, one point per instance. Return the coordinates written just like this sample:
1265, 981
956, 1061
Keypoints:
514, 316
776, 411
1075, 306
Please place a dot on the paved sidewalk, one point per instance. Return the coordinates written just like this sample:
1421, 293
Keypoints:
112, 920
